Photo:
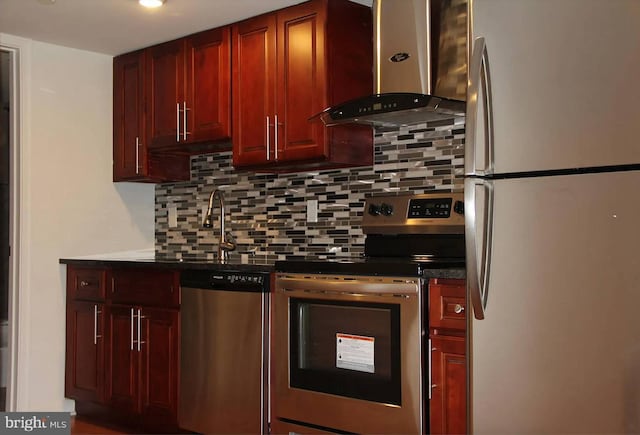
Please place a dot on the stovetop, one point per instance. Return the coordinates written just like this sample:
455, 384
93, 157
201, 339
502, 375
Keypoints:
406, 235
376, 266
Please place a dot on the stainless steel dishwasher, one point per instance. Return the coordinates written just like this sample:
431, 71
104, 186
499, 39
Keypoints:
224, 352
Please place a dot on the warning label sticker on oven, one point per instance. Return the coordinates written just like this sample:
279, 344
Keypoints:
355, 352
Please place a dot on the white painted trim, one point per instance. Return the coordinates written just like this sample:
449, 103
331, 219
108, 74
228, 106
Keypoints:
19, 294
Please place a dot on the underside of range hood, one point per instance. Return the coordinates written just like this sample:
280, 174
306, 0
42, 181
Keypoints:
392, 110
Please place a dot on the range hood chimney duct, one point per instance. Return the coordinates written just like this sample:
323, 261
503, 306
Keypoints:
421, 55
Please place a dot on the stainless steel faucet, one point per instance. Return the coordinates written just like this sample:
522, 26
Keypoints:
226, 242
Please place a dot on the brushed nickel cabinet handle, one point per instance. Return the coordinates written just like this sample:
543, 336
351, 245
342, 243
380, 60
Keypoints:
96, 311
429, 369
132, 328
138, 329
140, 317
137, 155
268, 144
275, 132
184, 121
177, 122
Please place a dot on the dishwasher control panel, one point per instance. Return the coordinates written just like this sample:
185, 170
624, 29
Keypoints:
226, 280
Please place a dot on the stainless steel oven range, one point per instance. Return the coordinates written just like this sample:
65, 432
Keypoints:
350, 336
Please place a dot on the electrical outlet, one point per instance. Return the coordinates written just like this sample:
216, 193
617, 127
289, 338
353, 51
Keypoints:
312, 210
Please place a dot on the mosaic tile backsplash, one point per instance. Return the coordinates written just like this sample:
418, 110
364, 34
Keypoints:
267, 213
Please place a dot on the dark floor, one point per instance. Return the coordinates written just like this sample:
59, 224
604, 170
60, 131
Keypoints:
79, 426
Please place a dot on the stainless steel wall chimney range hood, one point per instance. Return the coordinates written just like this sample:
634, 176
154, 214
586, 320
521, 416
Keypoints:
421, 53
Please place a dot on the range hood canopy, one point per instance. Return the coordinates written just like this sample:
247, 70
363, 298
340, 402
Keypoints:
421, 54
392, 109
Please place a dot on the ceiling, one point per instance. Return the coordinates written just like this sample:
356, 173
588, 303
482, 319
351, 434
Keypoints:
118, 26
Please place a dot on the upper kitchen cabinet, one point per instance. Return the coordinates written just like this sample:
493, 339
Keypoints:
290, 65
132, 160
188, 84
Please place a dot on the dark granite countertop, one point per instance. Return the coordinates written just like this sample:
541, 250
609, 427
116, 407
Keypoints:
373, 266
307, 265
449, 272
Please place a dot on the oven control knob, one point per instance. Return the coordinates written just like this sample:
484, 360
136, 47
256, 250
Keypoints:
458, 207
386, 209
374, 210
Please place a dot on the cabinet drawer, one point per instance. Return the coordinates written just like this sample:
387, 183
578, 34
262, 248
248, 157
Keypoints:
86, 283
146, 286
447, 303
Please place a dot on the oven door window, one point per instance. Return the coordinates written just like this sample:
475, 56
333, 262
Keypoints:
349, 349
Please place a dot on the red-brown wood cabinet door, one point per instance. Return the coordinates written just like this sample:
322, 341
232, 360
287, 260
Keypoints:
254, 72
302, 84
85, 351
159, 369
165, 84
122, 362
448, 393
208, 85
129, 151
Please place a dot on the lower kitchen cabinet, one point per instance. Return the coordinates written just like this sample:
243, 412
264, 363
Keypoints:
86, 299
122, 359
447, 331
85, 351
158, 373
448, 388
142, 365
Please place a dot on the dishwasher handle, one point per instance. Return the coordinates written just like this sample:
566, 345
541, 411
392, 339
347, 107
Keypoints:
221, 287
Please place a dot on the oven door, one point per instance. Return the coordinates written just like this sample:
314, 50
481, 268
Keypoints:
348, 353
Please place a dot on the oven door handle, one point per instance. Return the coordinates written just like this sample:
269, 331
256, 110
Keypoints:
380, 286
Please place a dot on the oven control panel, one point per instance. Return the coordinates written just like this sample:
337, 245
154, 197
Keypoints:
441, 213
436, 208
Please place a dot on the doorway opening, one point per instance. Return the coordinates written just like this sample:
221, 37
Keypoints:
7, 121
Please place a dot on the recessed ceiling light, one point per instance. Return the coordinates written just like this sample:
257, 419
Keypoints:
151, 3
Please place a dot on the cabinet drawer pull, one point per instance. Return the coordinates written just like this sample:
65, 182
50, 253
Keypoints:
458, 309
85, 283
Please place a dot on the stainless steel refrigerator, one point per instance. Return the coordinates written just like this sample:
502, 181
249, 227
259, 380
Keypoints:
552, 203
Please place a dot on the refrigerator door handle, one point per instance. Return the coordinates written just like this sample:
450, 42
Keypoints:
479, 75
478, 272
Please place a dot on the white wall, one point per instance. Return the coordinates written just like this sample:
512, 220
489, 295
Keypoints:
69, 205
